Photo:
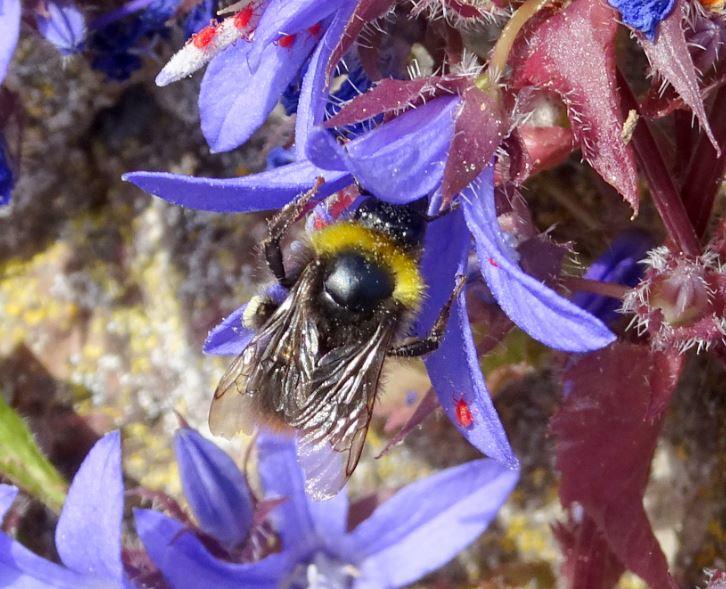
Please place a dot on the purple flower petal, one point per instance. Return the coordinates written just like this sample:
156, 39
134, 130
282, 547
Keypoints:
404, 159
214, 487
429, 522
287, 17
314, 91
303, 523
9, 31
534, 307
234, 101
454, 368
257, 192
186, 563
230, 337
643, 15
619, 264
88, 535
64, 26
21, 569
7, 496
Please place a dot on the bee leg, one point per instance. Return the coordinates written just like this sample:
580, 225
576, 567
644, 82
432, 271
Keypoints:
278, 227
425, 345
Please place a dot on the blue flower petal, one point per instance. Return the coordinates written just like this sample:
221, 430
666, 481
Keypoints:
21, 569
287, 17
230, 337
644, 15
7, 178
314, 91
302, 522
186, 563
534, 307
7, 496
404, 159
9, 31
620, 265
64, 26
429, 522
88, 535
214, 487
454, 368
258, 192
234, 101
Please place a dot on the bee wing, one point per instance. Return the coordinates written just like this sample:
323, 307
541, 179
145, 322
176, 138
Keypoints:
332, 426
267, 378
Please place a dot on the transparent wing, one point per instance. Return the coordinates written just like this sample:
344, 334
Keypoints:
268, 379
333, 424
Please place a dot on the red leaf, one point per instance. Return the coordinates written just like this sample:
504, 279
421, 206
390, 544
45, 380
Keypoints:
388, 96
478, 132
588, 562
573, 53
606, 433
670, 57
546, 147
366, 12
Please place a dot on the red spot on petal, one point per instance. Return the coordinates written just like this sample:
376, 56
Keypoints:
204, 37
493, 262
286, 41
243, 17
318, 223
463, 413
315, 29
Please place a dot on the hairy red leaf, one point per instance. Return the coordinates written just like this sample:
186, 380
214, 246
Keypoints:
670, 57
588, 560
606, 434
546, 147
367, 11
573, 54
478, 132
388, 96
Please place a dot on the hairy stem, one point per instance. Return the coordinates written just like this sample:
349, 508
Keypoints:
706, 171
662, 187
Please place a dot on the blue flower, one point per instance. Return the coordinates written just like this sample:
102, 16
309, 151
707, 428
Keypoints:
62, 24
644, 15
401, 161
9, 32
88, 534
7, 178
415, 532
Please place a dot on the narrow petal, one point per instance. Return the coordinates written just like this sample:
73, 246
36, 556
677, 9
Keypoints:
64, 26
287, 17
314, 91
230, 337
214, 487
7, 496
534, 307
21, 569
9, 31
186, 563
234, 101
258, 192
404, 159
88, 535
302, 522
454, 368
429, 522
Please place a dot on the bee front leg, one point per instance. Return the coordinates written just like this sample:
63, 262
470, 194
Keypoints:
425, 345
279, 225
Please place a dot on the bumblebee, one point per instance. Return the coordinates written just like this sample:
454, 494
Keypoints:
315, 361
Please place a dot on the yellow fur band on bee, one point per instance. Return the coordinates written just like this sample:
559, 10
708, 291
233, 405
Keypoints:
379, 248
